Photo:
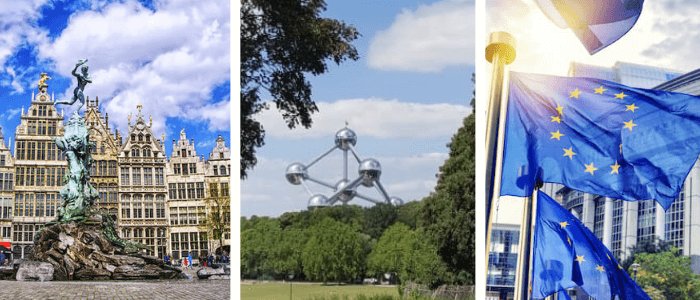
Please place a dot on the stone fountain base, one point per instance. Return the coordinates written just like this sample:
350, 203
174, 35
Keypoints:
82, 251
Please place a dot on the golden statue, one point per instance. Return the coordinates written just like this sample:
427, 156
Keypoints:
42, 82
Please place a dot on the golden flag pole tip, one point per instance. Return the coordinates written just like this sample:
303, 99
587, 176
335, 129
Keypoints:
502, 43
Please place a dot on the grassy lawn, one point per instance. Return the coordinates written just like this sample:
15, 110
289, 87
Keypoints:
303, 291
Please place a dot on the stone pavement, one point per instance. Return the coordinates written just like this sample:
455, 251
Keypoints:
98, 290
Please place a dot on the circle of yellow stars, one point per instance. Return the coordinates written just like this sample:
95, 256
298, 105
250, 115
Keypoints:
569, 152
580, 259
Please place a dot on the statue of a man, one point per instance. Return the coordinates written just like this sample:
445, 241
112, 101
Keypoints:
83, 80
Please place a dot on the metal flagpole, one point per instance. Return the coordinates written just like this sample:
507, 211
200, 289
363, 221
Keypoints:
499, 52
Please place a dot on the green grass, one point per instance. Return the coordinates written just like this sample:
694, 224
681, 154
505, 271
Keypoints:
307, 291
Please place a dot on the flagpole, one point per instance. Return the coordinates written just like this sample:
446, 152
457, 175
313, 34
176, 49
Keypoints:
499, 52
522, 271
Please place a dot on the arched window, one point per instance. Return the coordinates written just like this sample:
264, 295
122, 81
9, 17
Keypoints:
222, 170
140, 137
133, 137
148, 138
146, 152
135, 152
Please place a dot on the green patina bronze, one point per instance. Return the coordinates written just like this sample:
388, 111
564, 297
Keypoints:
78, 193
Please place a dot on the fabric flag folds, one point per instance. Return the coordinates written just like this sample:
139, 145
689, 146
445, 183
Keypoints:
596, 23
566, 254
598, 137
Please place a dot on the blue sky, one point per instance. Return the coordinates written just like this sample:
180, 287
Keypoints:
170, 56
405, 97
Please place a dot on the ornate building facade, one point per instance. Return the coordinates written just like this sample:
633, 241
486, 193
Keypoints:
218, 199
186, 208
142, 188
39, 169
7, 195
163, 204
104, 174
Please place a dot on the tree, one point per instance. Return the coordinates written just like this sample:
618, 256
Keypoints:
334, 252
655, 245
217, 219
257, 247
377, 218
668, 272
282, 42
448, 214
407, 253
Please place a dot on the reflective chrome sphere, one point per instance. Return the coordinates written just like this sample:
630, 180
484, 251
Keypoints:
296, 173
395, 201
345, 138
370, 170
348, 193
318, 200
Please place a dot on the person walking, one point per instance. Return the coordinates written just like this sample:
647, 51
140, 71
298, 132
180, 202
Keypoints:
210, 260
166, 260
2, 258
189, 257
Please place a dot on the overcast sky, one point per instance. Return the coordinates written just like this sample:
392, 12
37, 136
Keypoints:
170, 56
405, 98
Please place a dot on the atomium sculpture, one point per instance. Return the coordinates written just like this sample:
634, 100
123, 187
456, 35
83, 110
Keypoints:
369, 171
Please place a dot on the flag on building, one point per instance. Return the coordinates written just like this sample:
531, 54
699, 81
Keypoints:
566, 254
598, 137
596, 23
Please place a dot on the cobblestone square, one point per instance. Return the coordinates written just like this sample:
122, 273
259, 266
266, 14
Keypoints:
108, 290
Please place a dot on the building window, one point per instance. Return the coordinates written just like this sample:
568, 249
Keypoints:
172, 191
136, 176
146, 152
2, 160
224, 189
181, 191
222, 170
149, 210
160, 210
125, 176
138, 207
193, 168
200, 190
159, 176
216, 171
147, 176
675, 217
135, 152
184, 169
176, 169
646, 220
190, 190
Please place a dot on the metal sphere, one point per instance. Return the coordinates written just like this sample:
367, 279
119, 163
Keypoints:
395, 201
348, 193
318, 200
296, 173
370, 170
345, 138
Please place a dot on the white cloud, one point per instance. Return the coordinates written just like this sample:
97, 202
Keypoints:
665, 35
169, 59
375, 118
428, 39
16, 23
267, 192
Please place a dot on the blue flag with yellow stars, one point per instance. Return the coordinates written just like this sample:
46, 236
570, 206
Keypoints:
596, 23
566, 254
598, 137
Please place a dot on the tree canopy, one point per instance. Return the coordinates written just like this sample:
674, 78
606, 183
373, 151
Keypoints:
282, 42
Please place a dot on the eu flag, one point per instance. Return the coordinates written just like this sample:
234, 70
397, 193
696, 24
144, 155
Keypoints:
598, 137
566, 254
596, 23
